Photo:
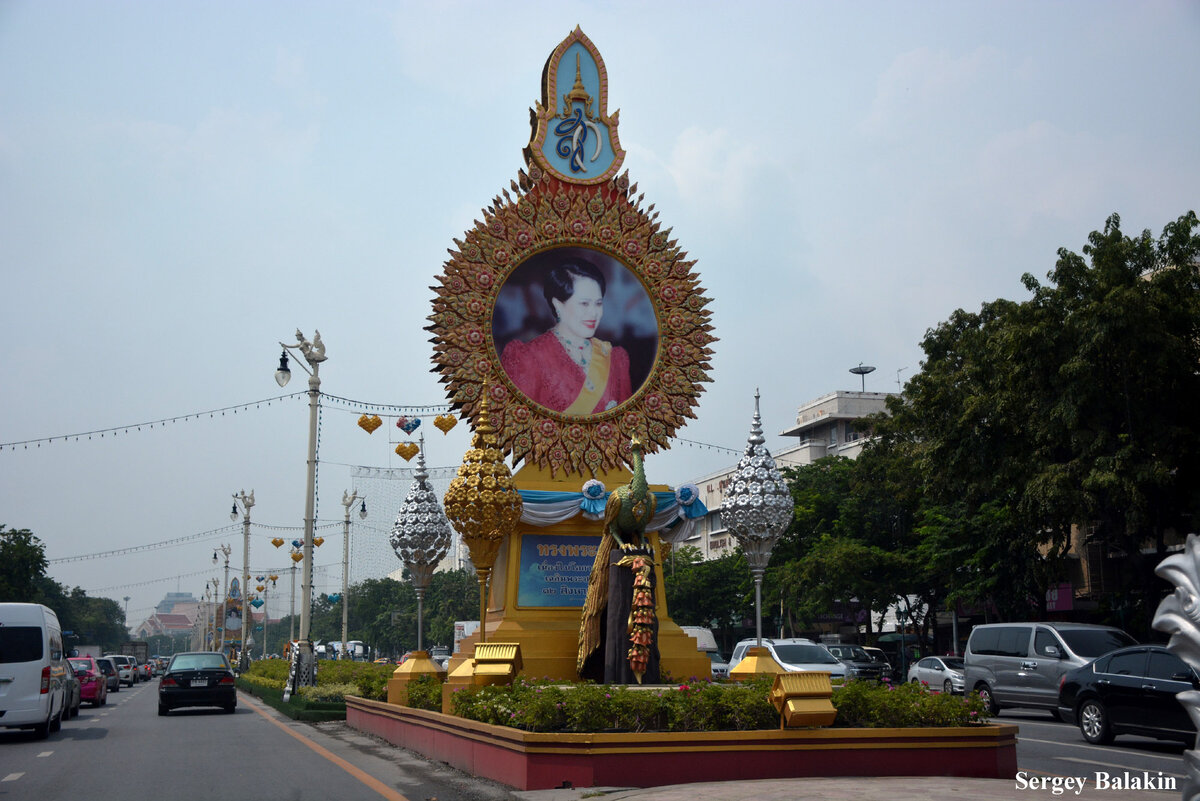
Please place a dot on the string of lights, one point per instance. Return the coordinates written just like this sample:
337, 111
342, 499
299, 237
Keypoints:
387, 410
101, 433
233, 528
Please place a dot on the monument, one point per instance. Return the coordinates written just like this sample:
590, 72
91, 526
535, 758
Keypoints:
581, 321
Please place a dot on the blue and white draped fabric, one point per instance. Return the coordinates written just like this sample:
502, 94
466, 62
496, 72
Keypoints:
674, 521
595, 496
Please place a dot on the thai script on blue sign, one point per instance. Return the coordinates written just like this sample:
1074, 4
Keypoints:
555, 569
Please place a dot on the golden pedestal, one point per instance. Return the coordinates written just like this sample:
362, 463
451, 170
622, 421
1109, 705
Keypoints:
803, 699
418, 664
548, 636
757, 662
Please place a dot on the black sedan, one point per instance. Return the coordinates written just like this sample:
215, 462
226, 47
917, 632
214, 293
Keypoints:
197, 678
1130, 691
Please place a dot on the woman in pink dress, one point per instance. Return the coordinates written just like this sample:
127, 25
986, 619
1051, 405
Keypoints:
567, 369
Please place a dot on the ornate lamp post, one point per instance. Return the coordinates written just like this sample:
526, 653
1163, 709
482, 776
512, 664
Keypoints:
421, 538
348, 501
483, 504
246, 502
226, 550
756, 512
313, 353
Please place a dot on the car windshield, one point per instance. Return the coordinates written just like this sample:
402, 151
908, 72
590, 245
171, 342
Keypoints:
81, 666
198, 662
800, 654
953, 662
1090, 643
854, 652
715, 656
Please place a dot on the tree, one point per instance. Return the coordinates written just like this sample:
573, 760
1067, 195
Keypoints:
1074, 407
22, 565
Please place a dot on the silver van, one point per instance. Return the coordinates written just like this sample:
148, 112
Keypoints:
1020, 664
33, 669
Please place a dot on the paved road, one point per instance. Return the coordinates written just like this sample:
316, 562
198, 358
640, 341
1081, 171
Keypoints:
125, 750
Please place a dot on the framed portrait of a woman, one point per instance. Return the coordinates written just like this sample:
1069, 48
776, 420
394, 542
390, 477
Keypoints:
575, 331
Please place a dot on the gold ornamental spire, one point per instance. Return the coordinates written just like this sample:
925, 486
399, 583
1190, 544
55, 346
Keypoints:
483, 503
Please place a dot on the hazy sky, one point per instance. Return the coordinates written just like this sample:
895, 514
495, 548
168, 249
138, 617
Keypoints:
184, 184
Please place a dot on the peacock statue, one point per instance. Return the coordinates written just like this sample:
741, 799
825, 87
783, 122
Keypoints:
617, 636
631, 505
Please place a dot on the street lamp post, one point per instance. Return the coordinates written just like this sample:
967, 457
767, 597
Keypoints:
226, 550
126, 611
313, 353
246, 502
347, 502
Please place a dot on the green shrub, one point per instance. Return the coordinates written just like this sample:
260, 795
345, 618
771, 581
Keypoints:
862, 704
701, 706
264, 681
370, 680
327, 692
424, 692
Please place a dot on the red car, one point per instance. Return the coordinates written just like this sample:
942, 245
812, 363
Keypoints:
93, 683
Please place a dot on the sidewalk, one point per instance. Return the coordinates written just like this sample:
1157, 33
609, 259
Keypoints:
847, 789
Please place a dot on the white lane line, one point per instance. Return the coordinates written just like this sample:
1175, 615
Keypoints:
44, 754
12, 777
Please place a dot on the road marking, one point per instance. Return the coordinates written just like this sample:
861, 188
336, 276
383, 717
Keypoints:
44, 754
361, 775
1112, 765
12, 777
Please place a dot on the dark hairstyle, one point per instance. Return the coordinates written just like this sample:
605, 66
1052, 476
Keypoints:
560, 281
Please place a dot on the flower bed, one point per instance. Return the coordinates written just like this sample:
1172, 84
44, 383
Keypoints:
530, 760
542, 706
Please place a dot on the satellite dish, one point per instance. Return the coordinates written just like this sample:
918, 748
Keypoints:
861, 371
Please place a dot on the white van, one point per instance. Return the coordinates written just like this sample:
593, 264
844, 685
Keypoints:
33, 669
1020, 664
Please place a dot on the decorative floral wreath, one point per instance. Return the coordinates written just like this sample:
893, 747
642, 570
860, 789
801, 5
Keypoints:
547, 214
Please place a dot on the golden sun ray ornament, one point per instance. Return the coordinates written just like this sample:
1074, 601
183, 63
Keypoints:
560, 210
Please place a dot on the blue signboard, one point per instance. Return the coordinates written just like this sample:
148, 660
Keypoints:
554, 569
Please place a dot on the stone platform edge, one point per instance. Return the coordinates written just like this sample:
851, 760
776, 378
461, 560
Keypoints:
539, 761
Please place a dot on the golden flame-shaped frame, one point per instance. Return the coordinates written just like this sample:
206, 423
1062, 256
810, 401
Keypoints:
544, 213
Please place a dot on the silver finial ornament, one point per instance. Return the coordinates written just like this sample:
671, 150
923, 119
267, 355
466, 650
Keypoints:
759, 506
1179, 615
421, 534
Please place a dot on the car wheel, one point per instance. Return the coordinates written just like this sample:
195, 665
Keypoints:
163, 709
1056, 715
56, 721
947, 687
1093, 722
42, 730
985, 695
230, 708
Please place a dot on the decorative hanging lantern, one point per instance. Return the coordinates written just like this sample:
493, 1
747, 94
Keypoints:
758, 508
277, 541
421, 536
483, 504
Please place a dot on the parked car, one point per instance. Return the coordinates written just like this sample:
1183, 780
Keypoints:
859, 664
880, 656
92, 681
197, 678
34, 693
126, 668
1130, 691
112, 677
1021, 664
793, 655
943, 673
